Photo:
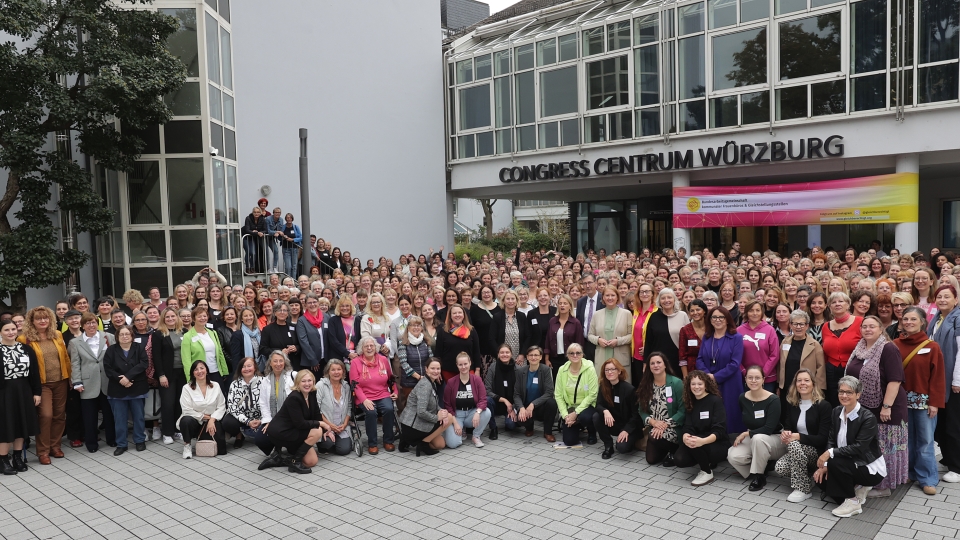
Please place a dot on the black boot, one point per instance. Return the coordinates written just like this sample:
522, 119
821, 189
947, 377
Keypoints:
494, 433
273, 460
426, 449
19, 463
5, 466
759, 480
297, 466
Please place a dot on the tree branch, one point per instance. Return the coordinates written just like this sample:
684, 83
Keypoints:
9, 197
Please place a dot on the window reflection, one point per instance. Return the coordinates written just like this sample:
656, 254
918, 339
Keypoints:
810, 46
143, 193
475, 107
740, 59
939, 36
792, 103
828, 98
691, 58
868, 35
558, 91
608, 83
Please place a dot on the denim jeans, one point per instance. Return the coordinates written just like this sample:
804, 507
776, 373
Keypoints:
923, 463
132, 409
508, 424
273, 257
290, 261
385, 407
571, 434
465, 419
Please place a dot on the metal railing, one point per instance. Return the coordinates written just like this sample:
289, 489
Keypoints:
263, 254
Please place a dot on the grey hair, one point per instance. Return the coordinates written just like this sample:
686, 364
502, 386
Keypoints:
667, 291
711, 294
920, 313
364, 340
800, 314
334, 362
851, 382
841, 295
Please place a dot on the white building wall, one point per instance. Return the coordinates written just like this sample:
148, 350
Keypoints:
366, 79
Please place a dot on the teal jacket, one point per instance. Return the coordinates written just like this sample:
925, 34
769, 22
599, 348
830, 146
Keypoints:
586, 391
675, 408
191, 350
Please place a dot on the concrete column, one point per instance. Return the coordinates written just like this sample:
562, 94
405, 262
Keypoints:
813, 236
906, 235
681, 237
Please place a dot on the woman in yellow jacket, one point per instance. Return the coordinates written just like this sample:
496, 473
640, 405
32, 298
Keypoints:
576, 394
202, 343
55, 370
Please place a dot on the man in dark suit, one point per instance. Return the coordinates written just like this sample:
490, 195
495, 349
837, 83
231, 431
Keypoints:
587, 306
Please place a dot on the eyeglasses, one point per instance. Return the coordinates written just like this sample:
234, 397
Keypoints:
574, 354
900, 305
611, 370
718, 318
798, 324
845, 393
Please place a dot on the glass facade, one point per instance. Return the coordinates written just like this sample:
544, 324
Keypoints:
163, 232
640, 69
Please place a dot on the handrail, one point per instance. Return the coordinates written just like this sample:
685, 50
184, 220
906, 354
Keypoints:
259, 260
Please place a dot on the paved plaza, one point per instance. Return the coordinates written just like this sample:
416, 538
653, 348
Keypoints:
514, 488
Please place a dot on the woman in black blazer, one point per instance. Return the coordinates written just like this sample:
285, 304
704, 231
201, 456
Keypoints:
299, 426
807, 439
616, 407
125, 364
166, 357
344, 331
518, 342
280, 335
853, 455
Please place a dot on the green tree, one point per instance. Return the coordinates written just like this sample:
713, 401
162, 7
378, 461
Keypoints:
77, 67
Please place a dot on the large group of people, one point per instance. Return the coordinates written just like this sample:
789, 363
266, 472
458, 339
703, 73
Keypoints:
830, 368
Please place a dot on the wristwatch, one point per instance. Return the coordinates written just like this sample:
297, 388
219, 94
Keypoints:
885, 406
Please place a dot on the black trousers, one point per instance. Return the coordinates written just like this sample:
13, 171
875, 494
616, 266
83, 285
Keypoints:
706, 456
556, 361
833, 375
233, 427
74, 429
636, 368
170, 402
948, 433
191, 428
607, 434
657, 449
223, 379
91, 432
546, 413
843, 475
412, 437
571, 434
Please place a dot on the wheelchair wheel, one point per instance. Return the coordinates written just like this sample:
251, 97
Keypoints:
357, 443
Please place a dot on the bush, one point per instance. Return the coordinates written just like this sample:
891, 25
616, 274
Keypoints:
476, 251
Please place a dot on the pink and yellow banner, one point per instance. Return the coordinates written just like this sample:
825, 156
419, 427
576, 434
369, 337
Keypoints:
891, 198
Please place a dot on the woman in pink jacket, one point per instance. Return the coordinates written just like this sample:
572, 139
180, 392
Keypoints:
760, 345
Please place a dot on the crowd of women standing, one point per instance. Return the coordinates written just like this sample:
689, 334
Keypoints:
768, 362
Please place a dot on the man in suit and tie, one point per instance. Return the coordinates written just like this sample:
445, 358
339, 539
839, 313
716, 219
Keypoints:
587, 306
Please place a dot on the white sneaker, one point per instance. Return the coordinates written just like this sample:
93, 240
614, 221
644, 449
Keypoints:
861, 493
167, 440
178, 436
157, 434
187, 453
478, 443
798, 496
702, 479
875, 494
849, 508
951, 477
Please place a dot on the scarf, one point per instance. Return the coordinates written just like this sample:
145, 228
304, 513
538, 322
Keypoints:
248, 337
872, 395
278, 392
461, 332
415, 340
315, 320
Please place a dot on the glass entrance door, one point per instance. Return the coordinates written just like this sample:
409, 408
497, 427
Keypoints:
606, 231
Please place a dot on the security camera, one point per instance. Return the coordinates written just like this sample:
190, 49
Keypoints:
214, 151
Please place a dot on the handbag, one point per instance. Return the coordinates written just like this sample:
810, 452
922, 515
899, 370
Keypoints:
915, 351
206, 447
151, 368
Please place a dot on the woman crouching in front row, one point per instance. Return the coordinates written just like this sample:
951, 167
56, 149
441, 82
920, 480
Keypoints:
299, 426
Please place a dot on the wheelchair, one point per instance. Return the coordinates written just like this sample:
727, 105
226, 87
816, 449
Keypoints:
358, 414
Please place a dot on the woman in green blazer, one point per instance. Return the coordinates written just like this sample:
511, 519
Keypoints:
202, 343
660, 407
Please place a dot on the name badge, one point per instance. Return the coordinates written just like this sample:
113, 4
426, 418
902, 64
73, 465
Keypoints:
758, 414
291, 328
136, 340
195, 339
533, 321
853, 416
289, 335
924, 350
536, 380
376, 327
26, 359
616, 399
468, 388
504, 384
761, 336
216, 313
669, 391
705, 415
785, 347
325, 326
691, 343
209, 325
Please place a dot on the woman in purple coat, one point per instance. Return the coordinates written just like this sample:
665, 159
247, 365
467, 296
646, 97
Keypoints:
721, 354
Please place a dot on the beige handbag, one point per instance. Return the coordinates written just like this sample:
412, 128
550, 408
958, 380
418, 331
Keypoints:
205, 447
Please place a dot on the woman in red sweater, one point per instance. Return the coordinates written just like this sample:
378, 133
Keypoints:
924, 373
840, 336
371, 378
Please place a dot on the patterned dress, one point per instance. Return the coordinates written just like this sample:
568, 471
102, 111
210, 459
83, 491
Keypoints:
20, 382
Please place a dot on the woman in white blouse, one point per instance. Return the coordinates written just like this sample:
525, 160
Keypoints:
203, 408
